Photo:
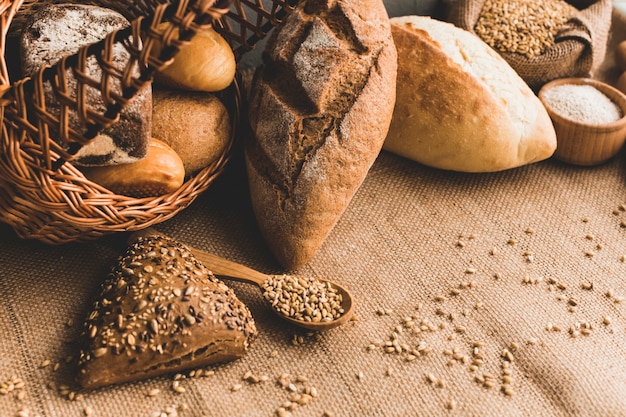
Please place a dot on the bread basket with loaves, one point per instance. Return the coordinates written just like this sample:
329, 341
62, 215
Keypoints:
43, 195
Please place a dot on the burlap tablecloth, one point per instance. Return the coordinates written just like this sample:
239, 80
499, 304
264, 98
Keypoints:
511, 285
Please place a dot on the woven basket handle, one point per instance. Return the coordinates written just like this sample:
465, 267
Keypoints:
8, 9
244, 28
117, 85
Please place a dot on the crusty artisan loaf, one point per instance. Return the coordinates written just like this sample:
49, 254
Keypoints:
320, 109
195, 124
159, 311
459, 105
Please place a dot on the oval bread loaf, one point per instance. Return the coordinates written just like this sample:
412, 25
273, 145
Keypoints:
160, 172
320, 109
206, 63
195, 124
460, 106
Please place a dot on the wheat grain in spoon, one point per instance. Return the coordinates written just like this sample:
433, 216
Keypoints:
307, 302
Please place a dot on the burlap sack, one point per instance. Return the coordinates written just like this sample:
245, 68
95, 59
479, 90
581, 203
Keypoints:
579, 49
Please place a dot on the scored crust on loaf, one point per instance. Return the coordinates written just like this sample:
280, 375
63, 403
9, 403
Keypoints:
160, 311
320, 108
56, 30
460, 106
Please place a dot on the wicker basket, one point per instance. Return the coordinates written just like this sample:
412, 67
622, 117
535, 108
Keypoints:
42, 195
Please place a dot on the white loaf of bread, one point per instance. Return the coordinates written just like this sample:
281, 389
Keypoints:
459, 105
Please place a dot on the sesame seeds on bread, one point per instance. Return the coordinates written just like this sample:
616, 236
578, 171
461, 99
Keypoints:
160, 311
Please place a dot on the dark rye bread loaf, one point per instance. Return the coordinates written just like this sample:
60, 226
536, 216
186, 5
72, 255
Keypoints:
56, 30
320, 107
159, 311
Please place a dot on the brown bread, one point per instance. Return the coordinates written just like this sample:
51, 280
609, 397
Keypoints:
161, 311
56, 30
320, 109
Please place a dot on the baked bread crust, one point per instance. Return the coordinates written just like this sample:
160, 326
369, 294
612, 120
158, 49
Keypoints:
459, 105
195, 124
320, 109
161, 172
161, 311
56, 30
207, 63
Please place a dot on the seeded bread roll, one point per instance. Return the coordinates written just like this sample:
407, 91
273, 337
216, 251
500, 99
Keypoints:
56, 30
196, 125
460, 106
160, 311
320, 109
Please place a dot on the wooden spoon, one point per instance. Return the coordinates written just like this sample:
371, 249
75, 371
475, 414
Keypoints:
235, 271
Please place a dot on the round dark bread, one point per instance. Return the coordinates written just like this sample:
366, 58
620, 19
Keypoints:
55, 30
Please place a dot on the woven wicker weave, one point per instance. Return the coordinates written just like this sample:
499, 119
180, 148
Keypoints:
42, 195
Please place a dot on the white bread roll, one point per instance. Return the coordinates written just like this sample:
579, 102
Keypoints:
459, 105
206, 63
160, 172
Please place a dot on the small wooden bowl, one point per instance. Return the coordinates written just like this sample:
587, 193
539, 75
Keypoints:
582, 143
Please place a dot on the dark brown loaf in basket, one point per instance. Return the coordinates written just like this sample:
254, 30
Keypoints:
42, 195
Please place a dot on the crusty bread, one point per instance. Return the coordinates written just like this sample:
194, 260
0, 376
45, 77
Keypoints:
55, 30
160, 311
195, 124
459, 105
320, 109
